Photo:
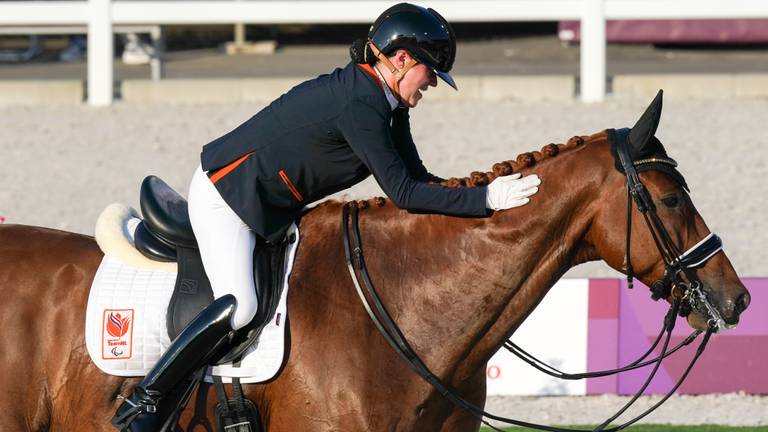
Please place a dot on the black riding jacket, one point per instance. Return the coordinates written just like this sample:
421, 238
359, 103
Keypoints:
321, 137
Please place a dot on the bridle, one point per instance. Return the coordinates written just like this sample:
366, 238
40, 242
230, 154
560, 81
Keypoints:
679, 283
680, 279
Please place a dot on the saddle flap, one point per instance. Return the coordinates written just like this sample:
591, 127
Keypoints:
193, 292
269, 269
165, 212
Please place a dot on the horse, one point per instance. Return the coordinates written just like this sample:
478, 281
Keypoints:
457, 287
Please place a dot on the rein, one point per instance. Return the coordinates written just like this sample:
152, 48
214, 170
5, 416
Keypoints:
383, 321
637, 364
686, 294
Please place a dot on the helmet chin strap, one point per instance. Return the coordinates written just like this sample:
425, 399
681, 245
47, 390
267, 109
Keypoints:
399, 74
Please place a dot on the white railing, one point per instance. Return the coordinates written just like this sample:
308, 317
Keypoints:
101, 15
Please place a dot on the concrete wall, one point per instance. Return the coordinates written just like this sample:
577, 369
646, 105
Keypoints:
489, 88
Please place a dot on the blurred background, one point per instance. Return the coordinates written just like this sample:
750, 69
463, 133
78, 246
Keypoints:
179, 74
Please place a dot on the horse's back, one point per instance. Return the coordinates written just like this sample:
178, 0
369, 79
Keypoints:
45, 276
41, 265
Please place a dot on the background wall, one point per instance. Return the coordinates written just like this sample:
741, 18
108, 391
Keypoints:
557, 333
601, 324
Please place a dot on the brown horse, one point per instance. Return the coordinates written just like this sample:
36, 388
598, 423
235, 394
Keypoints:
457, 287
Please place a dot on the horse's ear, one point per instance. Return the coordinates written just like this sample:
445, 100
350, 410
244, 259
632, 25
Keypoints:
642, 133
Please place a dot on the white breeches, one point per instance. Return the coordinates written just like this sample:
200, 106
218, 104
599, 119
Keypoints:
226, 247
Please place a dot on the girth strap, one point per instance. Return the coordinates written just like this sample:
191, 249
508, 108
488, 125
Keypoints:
238, 414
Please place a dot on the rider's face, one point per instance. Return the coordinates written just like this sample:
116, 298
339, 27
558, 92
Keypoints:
416, 81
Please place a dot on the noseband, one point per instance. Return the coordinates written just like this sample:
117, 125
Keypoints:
680, 279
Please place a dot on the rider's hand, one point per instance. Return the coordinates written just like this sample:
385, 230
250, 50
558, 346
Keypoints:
510, 191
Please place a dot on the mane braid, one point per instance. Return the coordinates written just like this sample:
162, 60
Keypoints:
479, 178
523, 160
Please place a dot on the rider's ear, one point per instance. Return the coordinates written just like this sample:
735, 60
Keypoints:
645, 128
402, 57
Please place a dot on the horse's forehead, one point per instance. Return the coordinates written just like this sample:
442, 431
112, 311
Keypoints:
659, 181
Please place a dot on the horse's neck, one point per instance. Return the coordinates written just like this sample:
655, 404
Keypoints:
460, 287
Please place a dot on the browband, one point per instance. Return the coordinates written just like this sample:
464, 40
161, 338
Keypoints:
656, 162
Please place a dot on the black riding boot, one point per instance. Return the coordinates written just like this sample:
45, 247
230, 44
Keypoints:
197, 345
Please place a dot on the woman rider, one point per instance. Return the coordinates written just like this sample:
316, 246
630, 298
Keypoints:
321, 137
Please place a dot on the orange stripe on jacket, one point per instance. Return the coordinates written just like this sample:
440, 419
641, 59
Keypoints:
369, 69
290, 185
218, 175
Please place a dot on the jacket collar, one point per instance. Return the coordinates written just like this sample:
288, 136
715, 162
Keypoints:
393, 102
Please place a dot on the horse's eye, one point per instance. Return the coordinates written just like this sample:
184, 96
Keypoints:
670, 202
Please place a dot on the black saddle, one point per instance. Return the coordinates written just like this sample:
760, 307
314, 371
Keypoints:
165, 234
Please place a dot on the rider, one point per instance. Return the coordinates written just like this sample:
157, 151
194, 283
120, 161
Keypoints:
321, 137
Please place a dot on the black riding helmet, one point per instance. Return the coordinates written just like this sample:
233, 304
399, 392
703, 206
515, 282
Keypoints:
423, 32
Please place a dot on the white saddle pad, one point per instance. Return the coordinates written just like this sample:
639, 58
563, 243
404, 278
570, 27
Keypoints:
125, 323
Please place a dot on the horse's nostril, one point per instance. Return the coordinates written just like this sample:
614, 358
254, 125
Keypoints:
742, 302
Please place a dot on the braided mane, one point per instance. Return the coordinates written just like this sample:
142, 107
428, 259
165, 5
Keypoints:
523, 160
479, 178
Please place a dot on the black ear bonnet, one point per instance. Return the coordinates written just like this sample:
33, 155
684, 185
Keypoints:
642, 144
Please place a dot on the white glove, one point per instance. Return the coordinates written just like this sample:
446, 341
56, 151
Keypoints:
510, 191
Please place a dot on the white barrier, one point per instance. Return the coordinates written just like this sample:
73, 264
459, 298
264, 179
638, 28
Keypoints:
100, 53
555, 332
101, 15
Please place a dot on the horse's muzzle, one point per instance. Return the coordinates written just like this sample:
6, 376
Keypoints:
734, 308
719, 309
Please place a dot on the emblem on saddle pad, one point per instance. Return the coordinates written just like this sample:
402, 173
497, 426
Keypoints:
117, 334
